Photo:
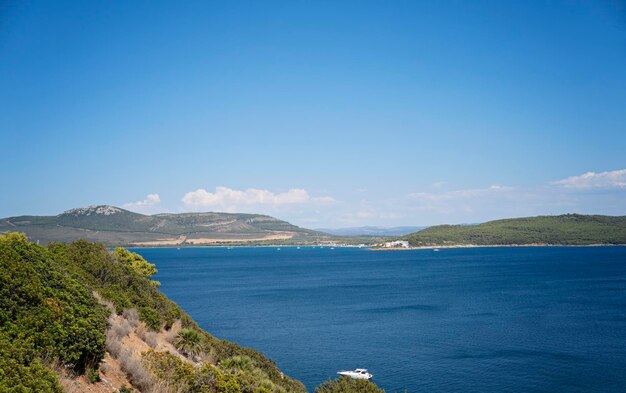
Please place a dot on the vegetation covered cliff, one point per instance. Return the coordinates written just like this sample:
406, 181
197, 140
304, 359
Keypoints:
568, 229
67, 311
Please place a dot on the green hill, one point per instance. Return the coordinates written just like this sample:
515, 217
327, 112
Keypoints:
113, 225
568, 229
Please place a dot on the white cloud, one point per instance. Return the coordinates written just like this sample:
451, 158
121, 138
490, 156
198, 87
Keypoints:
148, 205
606, 180
234, 200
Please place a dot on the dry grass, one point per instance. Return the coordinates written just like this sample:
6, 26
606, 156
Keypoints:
139, 376
150, 338
208, 358
122, 328
132, 316
170, 335
113, 345
146, 335
106, 368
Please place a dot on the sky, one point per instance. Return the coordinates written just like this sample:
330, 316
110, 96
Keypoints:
323, 113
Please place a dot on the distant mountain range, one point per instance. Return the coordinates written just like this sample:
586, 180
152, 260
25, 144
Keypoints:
371, 231
567, 229
113, 225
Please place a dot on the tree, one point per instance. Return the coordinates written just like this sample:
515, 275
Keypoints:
137, 263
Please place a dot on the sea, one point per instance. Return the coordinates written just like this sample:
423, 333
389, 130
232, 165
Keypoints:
500, 319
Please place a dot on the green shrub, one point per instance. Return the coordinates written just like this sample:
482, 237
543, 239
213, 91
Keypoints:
189, 342
137, 263
169, 368
92, 375
20, 371
348, 385
151, 317
44, 312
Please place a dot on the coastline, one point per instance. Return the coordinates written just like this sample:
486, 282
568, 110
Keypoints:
452, 246
490, 246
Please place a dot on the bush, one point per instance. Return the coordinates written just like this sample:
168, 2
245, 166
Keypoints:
139, 376
189, 342
238, 363
132, 316
113, 344
92, 375
348, 385
44, 312
169, 368
137, 263
150, 338
178, 375
121, 329
18, 373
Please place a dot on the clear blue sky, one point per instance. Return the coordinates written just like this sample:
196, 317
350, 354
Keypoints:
381, 112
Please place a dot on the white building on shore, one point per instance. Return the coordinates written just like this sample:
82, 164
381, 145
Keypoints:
396, 244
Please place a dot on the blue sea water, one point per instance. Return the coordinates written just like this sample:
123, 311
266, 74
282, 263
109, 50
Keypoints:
535, 319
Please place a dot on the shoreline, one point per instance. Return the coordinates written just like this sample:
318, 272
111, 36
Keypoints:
453, 246
491, 246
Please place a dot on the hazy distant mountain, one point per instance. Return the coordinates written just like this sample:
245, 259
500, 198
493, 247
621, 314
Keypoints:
371, 231
113, 225
567, 229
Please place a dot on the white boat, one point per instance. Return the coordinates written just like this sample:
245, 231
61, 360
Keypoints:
359, 373
436, 249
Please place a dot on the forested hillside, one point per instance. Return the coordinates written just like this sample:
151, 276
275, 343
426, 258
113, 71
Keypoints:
569, 229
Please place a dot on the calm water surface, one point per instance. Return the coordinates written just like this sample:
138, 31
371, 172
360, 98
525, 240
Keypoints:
475, 320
